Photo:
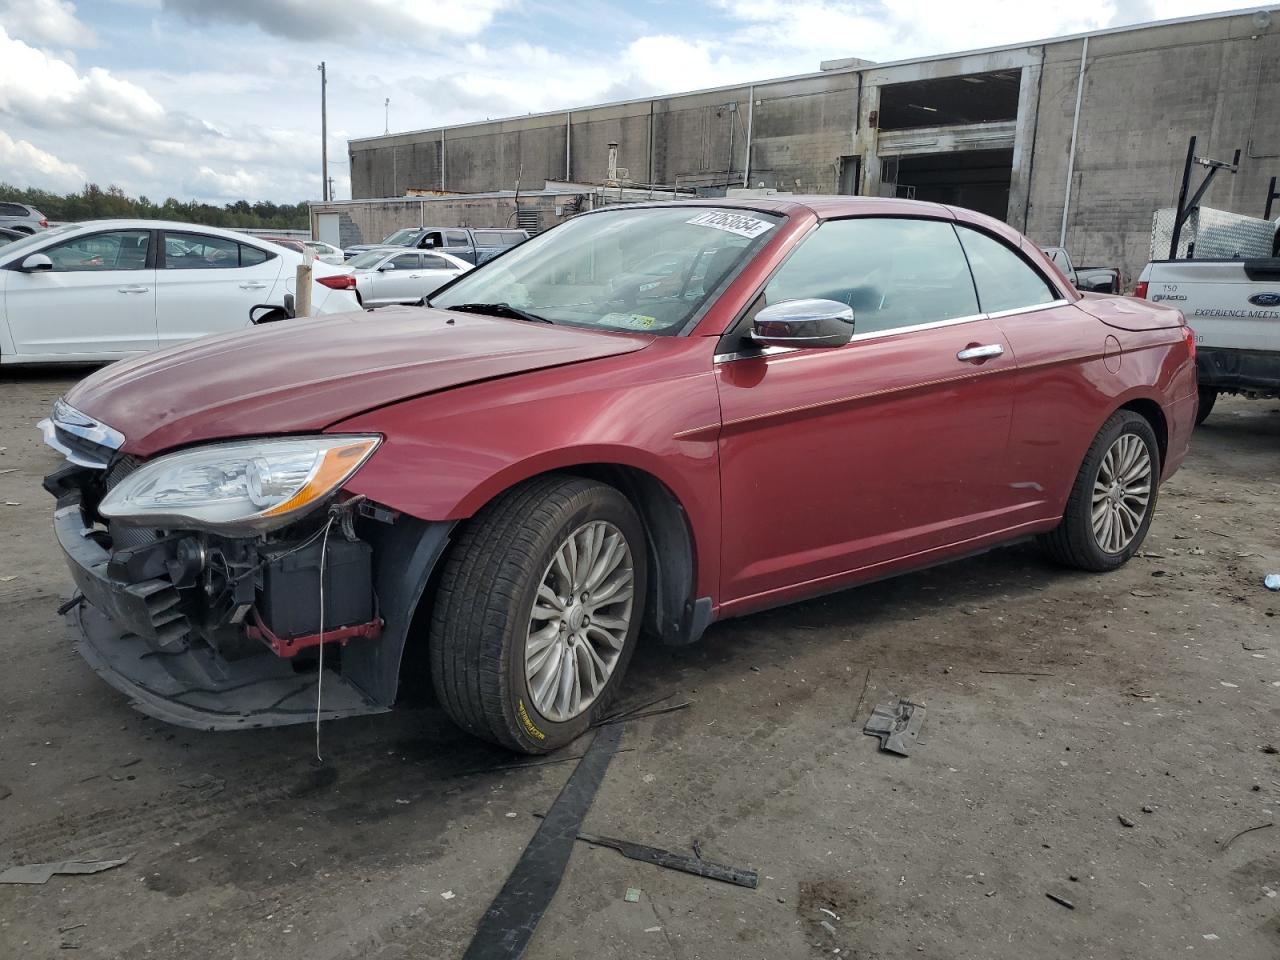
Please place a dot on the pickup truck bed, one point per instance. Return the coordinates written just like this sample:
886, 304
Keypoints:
1234, 308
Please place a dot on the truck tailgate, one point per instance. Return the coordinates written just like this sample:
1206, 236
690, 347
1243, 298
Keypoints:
1222, 303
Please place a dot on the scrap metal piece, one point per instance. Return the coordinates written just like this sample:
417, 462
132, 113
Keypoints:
506, 927
41, 872
895, 723
676, 861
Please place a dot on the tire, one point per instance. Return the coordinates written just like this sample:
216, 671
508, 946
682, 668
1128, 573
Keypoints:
1075, 542
484, 613
1208, 396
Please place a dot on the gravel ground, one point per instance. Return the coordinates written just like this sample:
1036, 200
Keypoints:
1099, 738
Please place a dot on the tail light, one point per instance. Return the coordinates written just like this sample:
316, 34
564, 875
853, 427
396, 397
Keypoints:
44, 222
1140, 290
338, 281
1191, 342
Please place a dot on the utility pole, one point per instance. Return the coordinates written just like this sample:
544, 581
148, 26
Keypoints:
386, 125
324, 135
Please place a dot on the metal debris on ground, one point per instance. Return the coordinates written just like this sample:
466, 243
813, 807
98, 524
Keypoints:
41, 872
1271, 581
1060, 900
632, 895
896, 723
1233, 837
676, 861
506, 927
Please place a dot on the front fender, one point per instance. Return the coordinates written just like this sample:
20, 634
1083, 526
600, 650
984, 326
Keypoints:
445, 456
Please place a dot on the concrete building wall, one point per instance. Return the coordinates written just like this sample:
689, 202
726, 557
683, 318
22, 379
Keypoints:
1145, 91
1145, 94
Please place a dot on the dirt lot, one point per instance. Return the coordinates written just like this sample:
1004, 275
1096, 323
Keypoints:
1057, 704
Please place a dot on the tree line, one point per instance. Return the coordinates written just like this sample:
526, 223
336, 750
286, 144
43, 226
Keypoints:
94, 203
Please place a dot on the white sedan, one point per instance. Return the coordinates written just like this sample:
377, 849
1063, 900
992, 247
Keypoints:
402, 276
100, 291
325, 252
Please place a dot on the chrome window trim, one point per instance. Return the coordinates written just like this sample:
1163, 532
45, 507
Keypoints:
1034, 308
752, 354
894, 331
857, 337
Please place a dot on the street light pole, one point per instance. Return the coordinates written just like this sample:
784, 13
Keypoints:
386, 126
324, 135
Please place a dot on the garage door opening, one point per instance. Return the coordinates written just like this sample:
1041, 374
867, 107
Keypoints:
944, 101
977, 179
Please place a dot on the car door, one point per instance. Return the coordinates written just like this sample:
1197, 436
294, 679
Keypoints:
397, 280
890, 448
99, 298
1063, 353
207, 284
436, 271
458, 243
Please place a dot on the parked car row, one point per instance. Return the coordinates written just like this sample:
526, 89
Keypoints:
390, 275
474, 246
106, 289
648, 418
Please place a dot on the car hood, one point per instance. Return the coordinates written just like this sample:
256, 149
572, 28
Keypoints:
300, 375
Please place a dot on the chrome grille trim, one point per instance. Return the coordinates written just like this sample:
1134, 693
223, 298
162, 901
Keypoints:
80, 438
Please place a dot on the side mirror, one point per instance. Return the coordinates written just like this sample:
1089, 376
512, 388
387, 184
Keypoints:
803, 323
37, 261
385, 267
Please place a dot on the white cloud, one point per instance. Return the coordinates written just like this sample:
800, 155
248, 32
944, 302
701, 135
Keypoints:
26, 165
44, 91
51, 22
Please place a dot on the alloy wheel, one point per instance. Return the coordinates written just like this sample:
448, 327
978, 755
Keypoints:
580, 620
1121, 493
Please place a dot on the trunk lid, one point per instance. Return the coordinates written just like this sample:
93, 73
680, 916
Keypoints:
1128, 313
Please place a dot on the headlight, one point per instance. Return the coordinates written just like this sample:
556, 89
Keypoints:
254, 486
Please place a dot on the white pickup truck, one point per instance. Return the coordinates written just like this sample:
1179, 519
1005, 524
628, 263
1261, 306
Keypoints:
1234, 308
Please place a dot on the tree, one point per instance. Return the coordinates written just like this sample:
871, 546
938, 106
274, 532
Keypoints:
94, 203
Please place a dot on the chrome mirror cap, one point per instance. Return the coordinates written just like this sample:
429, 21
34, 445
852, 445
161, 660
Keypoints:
803, 323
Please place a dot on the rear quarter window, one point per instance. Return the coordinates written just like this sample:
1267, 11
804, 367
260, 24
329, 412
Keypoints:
1005, 280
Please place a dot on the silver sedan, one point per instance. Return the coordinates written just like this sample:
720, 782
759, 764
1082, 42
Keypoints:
399, 276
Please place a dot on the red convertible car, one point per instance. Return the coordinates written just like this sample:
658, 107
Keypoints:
646, 419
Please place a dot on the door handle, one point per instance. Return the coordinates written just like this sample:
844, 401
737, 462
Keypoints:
252, 285
135, 289
977, 354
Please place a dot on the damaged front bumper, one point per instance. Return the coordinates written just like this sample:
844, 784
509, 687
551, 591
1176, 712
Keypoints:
137, 634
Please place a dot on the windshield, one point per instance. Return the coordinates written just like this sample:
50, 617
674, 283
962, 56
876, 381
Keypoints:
367, 260
400, 237
647, 269
37, 239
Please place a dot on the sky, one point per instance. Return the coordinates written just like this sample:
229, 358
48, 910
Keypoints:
219, 100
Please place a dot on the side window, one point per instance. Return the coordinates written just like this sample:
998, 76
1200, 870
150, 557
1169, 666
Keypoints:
457, 238
512, 239
894, 273
196, 251
435, 263
121, 250
487, 238
406, 261
13, 210
252, 256
1005, 281
433, 239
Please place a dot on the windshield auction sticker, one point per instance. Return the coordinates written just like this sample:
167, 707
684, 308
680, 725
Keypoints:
629, 321
739, 223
